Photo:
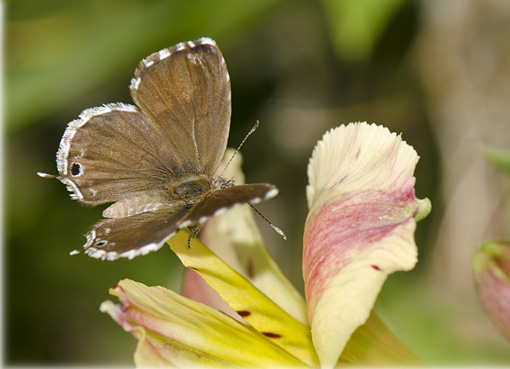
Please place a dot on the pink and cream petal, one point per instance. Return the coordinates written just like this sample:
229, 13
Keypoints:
349, 296
359, 230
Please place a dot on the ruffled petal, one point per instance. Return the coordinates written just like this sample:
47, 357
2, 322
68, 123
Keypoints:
360, 228
175, 331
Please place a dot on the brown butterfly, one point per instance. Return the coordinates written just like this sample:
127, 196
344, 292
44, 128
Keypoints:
156, 161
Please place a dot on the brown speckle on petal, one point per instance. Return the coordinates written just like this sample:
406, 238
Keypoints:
271, 334
243, 313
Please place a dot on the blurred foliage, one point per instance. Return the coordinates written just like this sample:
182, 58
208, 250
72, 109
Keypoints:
59, 43
356, 25
300, 67
500, 158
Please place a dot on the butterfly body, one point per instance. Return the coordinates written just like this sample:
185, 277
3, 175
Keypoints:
156, 161
191, 190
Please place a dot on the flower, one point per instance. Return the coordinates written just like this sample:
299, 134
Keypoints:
491, 271
360, 227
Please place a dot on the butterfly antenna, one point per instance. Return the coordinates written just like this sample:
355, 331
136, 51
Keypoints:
255, 126
277, 230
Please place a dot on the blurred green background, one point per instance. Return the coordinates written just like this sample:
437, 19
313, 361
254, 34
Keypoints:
437, 71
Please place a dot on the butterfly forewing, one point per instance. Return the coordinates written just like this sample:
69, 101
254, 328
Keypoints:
113, 152
185, 90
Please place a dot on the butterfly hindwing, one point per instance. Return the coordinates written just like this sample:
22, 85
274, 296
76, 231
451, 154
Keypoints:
226, 198
141, 233
134, 235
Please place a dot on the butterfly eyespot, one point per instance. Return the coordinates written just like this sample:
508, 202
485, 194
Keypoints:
101, 243
76, 169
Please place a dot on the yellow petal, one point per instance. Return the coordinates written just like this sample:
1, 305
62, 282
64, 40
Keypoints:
374, 344
173, 330
250, 303
235, 237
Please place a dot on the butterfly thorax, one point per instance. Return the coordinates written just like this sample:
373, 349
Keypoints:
194, 188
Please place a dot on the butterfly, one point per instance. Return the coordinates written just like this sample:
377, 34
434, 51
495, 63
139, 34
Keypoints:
156, 161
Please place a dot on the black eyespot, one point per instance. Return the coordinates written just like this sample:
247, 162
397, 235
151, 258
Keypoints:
101, 243
75, 169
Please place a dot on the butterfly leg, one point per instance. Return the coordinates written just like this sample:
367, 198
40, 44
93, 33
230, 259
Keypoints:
194, 233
